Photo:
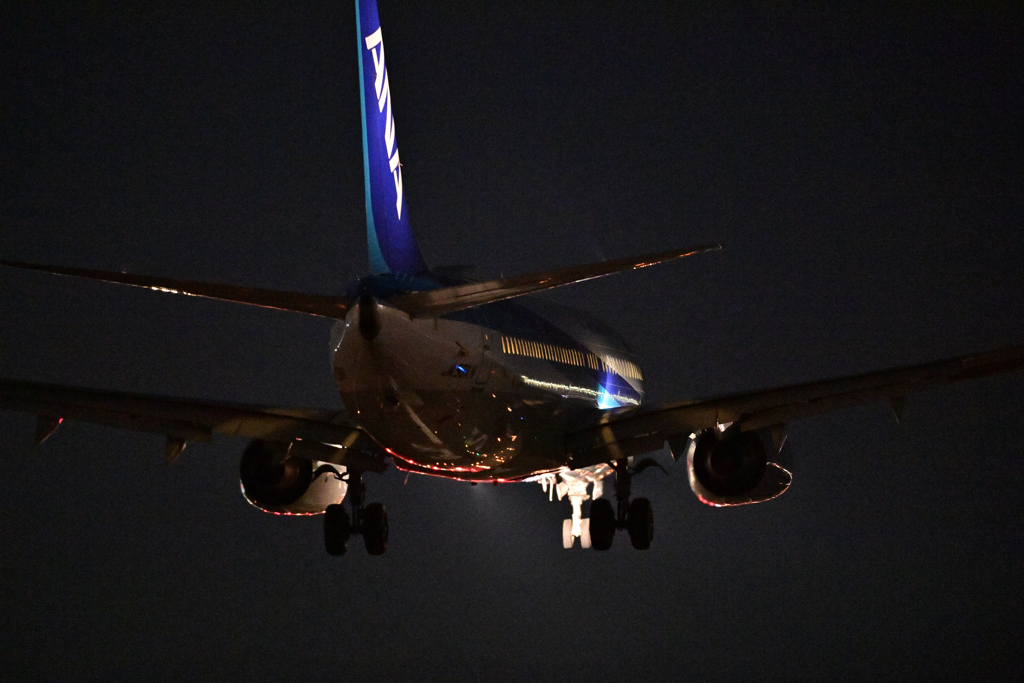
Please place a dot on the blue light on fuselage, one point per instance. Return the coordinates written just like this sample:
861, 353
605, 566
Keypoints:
605, 400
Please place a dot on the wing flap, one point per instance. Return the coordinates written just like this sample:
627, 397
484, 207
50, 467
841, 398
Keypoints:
297, 302
629, 431
438, 302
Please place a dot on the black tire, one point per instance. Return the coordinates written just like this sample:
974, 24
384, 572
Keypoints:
337, 530
640, 523
602, 524
375, 528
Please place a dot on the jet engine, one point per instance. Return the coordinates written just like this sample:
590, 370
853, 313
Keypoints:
283, 479
735, 467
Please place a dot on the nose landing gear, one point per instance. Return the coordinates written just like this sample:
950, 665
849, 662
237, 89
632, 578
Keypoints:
369, 520
574, 484
569, 534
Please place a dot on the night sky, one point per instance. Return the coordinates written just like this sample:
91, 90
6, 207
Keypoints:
864, 172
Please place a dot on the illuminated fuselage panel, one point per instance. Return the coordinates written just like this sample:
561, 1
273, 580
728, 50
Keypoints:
482, 394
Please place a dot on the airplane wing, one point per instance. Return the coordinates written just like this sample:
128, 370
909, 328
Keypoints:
624, 432
184, 420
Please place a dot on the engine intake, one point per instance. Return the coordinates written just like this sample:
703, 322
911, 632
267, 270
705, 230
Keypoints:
729, 465
276, 480
270, 477
733, 467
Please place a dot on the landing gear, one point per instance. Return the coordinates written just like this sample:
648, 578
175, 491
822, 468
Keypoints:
568, 538
640, 523
369, 520
375, 528
602, 524
636, 517
337, 529
575, 485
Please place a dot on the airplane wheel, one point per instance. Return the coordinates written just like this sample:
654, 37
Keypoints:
640, 522
584, 533
567, 539
602, 524
337, 529
375, 528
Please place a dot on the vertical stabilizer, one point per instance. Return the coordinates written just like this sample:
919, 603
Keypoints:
391, 244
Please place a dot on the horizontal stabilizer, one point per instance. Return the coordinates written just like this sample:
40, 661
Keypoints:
437, 302
310, 304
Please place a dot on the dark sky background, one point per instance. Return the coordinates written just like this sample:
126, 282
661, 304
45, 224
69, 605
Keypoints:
865, 172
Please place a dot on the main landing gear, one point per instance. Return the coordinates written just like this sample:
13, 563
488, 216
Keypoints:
636, 517
369, 520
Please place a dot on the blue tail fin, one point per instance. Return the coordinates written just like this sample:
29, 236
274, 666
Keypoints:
392, 246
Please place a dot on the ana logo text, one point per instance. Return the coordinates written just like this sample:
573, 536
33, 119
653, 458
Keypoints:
373, 42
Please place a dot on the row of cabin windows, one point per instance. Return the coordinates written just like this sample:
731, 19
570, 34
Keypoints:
560, 354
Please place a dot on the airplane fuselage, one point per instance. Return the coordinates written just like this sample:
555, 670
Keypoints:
484, 394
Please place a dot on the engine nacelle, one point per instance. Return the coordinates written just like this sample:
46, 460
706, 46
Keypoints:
735, 467
280, 478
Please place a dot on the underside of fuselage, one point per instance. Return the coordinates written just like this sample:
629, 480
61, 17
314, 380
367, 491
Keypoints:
481, 395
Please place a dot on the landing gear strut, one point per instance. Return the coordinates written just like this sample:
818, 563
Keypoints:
636, 517
369, 520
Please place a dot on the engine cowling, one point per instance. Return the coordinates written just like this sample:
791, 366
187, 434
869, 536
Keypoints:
276, 480
735, 467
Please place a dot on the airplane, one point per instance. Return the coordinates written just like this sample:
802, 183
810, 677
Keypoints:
475, 381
